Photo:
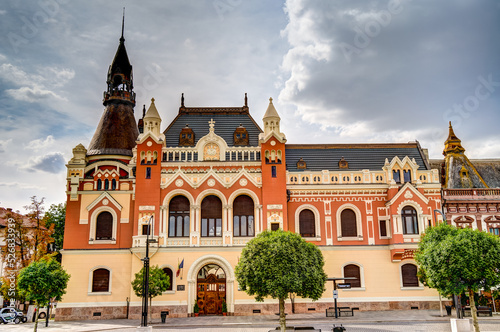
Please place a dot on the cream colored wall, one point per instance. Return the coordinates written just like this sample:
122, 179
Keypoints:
381, 276
79, 265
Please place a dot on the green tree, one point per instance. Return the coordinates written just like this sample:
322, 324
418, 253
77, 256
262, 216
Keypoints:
39, 233
56, 215
279, 263
43, 281
456, 261
158, 283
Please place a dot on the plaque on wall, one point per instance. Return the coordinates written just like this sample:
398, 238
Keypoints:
181, 287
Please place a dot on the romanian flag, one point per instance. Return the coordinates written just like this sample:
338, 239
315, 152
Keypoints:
181, 265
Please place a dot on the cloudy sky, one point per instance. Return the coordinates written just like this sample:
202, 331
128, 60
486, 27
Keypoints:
339, 71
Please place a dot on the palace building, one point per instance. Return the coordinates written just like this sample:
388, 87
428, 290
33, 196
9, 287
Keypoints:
212, 180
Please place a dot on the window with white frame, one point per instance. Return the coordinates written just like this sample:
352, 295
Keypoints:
307, 223
100, 280
348, 223
409, 275
410, 220
353, 271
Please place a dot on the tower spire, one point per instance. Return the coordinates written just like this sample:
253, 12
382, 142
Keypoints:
453, 143
123, 25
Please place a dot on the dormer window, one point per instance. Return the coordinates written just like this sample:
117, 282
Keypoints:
186, 137
301, 164
343, 163
240, 136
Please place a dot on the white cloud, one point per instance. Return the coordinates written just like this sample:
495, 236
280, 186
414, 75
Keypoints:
4, 143
50, 163
38, 144
32, 94
2, 12
19, 185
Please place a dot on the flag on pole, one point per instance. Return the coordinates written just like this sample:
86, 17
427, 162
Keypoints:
180, 266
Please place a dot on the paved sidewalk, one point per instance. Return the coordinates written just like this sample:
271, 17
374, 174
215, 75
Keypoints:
369, 321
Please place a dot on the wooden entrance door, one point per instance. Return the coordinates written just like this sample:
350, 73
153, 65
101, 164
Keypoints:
211, 289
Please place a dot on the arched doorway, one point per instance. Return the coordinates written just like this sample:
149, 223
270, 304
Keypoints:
211, 289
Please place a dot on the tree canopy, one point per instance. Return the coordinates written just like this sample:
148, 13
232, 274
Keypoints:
56, 215
455, 261
278, 263
42, 281
158, 283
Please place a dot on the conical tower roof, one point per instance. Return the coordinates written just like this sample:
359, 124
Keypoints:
117, 130
453, 144
271, 111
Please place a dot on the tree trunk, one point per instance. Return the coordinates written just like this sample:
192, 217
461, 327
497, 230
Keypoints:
473, 310
292, 299
282, 314
37, 308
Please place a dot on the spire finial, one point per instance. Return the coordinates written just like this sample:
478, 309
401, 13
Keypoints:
182, 99
246, 99
123, 24
270, 100
152, 100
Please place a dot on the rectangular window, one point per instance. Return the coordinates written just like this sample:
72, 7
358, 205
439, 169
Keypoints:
407, 175
275, 226
273, 171
383, 227
145, 230
148, 172
395, 176
171, 227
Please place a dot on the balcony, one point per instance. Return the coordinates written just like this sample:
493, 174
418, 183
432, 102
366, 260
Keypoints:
479, 194
140, 241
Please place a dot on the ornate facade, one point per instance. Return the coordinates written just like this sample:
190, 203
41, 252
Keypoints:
471, 188
213, 180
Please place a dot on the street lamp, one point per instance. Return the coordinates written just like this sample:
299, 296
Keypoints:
145, 278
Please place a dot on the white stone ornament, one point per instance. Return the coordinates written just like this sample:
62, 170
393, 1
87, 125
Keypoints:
179, 182
243, 182
149, 143
211, 182
105, 201
408, 195
273, 143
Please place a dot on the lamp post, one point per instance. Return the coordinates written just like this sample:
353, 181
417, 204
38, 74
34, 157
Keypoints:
145, 278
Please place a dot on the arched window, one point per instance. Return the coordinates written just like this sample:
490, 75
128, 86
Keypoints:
352, 271
409, 218
113, 184
99, 184
307, 223
211, 216
409, 275
178, 218
100, 280
170, 274
348, 223
396, 176
104, 226
106, 184
243, 216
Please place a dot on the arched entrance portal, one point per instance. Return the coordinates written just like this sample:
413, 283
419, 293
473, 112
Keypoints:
211, 289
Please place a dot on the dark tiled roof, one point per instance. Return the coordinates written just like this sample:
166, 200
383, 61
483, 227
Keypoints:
116, 132
489, 169
225, 125
359, 156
